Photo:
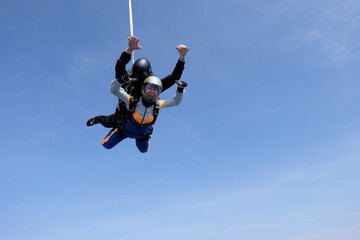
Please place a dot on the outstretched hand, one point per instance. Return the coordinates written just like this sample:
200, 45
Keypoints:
133, 45
181, 84
182, 49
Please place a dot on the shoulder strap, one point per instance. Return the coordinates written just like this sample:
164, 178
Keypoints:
156, 111
132, 104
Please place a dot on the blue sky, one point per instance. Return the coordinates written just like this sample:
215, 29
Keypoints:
265, 144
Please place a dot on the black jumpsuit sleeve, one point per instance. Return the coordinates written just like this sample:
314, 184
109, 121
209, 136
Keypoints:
170, 79
120, 67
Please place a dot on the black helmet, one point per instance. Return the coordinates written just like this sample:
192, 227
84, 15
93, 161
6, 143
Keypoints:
141, 69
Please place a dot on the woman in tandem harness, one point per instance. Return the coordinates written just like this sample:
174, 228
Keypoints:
142, 113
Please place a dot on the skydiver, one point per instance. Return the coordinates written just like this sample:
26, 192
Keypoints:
142, 117
141, 69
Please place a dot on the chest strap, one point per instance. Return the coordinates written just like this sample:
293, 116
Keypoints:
132, 105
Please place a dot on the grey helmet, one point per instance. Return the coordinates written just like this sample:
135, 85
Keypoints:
151, 81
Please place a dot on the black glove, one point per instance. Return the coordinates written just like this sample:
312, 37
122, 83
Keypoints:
181, 85
125, 78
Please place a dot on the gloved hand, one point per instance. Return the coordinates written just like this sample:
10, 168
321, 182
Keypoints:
181, 84
125, 78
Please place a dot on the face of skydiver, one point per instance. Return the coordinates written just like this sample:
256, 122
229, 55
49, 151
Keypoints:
151, 91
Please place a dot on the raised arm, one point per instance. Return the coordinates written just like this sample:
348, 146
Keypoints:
120, 67
170, 79
176, 100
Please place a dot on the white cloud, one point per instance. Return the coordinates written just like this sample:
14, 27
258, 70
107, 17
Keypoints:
333, 31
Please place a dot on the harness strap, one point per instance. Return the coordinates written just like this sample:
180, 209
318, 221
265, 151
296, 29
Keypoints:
136, 125
156, 111
145, 135
132, 105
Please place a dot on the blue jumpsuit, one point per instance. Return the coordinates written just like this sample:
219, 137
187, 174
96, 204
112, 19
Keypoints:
141, 118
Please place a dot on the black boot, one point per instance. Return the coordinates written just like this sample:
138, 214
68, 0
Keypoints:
90, 122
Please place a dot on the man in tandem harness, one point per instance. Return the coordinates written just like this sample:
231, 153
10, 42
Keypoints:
142, 113
122, 110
